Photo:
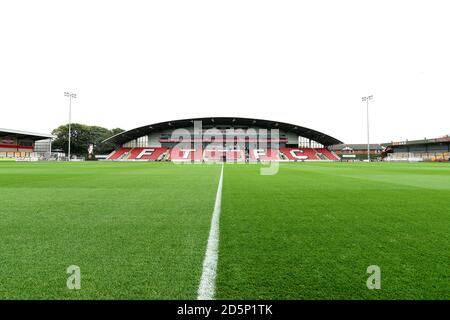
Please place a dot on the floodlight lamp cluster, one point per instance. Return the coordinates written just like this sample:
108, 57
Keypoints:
71, 95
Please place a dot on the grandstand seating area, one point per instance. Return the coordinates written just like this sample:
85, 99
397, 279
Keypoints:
418, 156
150, 154
264, 154
17, 145
118, 154
253, 154
138, 154
185, 154
296, 154
327, 153
218, 154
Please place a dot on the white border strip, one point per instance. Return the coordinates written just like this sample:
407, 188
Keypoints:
207, 286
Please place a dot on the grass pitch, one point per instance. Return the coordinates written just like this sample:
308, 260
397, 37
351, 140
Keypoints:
136, 230
139, 230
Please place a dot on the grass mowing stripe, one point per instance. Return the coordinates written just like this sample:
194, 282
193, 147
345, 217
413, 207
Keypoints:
208, 281
303, 234
136, 230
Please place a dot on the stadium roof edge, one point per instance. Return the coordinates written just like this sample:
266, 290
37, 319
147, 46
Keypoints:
320, 137
26, 134
357, 146
443, 139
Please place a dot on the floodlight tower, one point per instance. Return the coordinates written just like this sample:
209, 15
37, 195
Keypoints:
366, 99
70, 96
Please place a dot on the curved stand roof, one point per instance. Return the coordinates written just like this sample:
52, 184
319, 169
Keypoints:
317, 136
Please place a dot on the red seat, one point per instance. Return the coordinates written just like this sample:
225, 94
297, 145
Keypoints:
185, 154
327, 153
218, 154
264, 154
118, 153
299, 153
149, 154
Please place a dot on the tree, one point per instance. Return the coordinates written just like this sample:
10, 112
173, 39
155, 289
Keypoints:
81, 137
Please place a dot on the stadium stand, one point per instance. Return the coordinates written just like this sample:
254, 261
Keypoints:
296, 154
257, 154
23, 145
328, 154
116, 155
252, 140
437, 149
185, 154
357, 152
149, 154
253, 154
219, 154
235, 155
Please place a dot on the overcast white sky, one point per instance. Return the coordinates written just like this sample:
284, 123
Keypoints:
306, 62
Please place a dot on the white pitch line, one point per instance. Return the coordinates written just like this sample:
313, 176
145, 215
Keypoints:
207, 286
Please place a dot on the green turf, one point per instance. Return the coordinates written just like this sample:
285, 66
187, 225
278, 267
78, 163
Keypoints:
139, 230
312, 230
135, 230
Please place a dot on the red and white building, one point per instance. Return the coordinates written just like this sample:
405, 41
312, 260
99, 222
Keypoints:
16, 144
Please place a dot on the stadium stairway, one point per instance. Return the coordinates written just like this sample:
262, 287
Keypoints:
149, 154
327, 153
321, 156
283, 156
118, 154
165, 155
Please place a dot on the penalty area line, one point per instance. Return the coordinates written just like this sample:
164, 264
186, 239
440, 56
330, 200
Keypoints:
207, 286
